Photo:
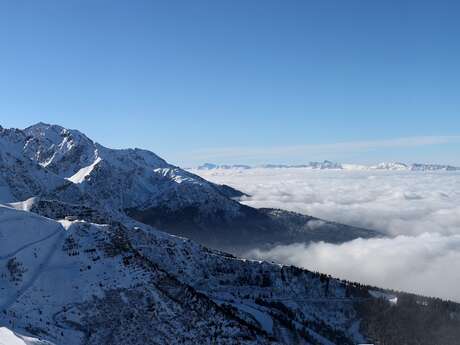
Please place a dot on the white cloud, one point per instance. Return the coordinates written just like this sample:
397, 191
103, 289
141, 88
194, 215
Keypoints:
397, 203
420, 211
427, 264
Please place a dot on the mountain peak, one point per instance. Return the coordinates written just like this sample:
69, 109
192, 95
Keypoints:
42, 126
53, 132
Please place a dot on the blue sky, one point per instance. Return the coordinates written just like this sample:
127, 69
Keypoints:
241, 81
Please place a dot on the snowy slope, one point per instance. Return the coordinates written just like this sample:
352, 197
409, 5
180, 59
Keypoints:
8, 337
73, 282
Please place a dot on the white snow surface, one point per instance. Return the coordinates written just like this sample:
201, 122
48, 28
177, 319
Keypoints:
389, 297
8, 337
81, 174
52, 269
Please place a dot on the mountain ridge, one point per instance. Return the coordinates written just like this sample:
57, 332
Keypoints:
329, 165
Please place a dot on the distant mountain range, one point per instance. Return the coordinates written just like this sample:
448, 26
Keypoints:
336, 166
84, 260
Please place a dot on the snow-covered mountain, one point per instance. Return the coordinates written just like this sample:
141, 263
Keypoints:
433, 167
212, 166
135, 178
21, 177
80, 263
326, 165
312, 165
57, 164
398, 166
75, 282
413, 167
390, 166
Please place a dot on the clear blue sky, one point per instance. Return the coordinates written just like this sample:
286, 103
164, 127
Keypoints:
245, 81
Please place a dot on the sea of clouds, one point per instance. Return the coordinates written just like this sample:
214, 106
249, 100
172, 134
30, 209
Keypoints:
418, 211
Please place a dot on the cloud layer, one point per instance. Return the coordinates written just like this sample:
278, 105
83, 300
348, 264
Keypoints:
427, 264
397, 203
420, 211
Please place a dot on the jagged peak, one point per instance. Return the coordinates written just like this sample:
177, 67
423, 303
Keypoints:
54, 132
53, 137
41, 124
42, 127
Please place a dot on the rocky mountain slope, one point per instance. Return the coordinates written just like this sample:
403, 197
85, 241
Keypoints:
54, 163
77, 282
